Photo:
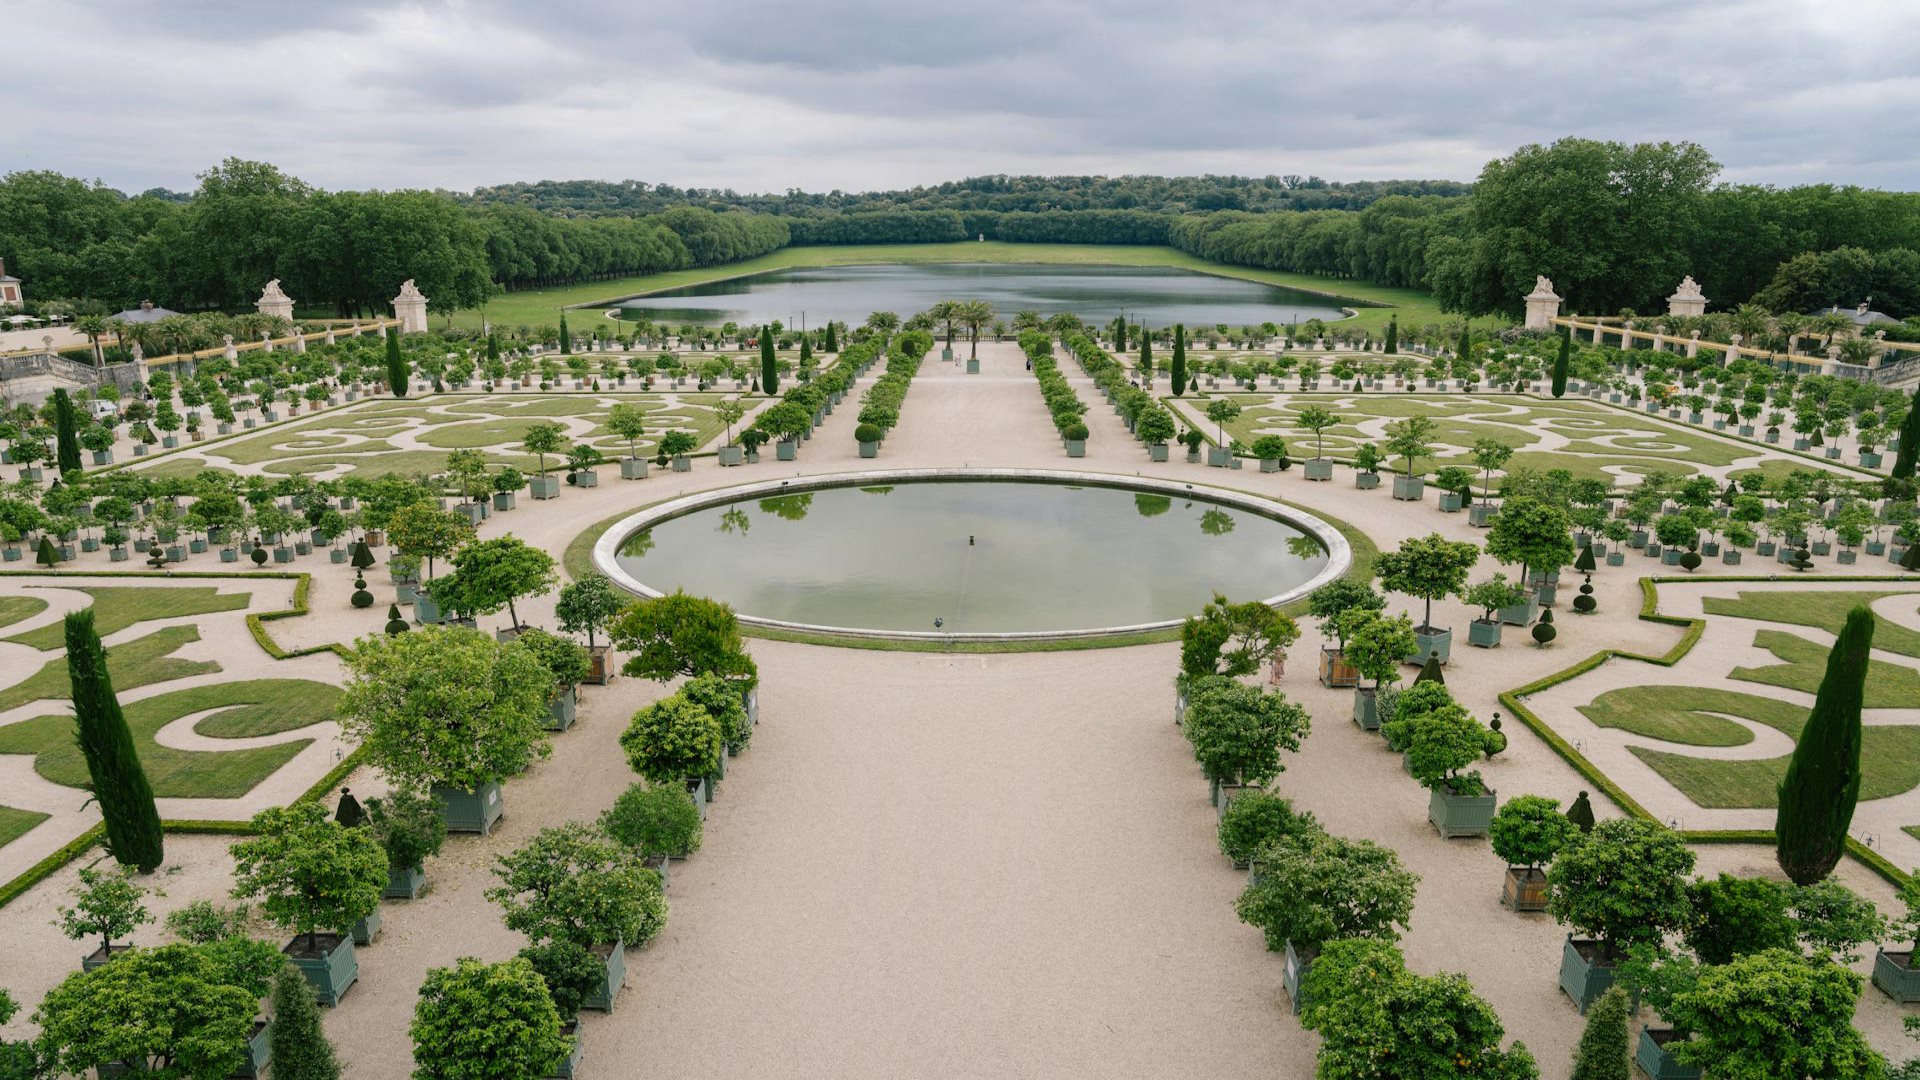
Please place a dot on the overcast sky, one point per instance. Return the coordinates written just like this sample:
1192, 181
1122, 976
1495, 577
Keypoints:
870, 94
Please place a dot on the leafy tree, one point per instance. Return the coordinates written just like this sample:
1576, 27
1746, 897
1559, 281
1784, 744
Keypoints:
1258, 818
563, 657
655, 820
629, 421
1833, 921
1532, 532
408, 824
204, 921
1378, 1019
449, 706
424, 531
1529, 831
1604, 1047
1822, 783
574, 883
492, 574
571, 972
1376, 644
115, 776
1239, 731
1322, 888
175, 1010
1624, 883
1317, 419
1428, 568
588, 604
1735, 916
1903, 459
1223, 411
723, 700
1233, 639
310, 873
107, 903
479, 1021
541, 440
396, 364
1411, 439
672, 740
297, 1045
682, 635
1771, 1015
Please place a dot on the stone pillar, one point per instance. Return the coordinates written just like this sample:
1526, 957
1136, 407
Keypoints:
138, 353
1543, 304
1693, 345
354, 330
1879, 353
300, 340
1687, 300
411, 309
231, 352
1626, 333
1833, 360
274, 302
329, 335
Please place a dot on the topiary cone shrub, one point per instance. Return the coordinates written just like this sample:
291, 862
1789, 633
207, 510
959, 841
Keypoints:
395, 624
361, 597
1543, 631
1690, 561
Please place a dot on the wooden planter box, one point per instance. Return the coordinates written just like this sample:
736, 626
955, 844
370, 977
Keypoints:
1583, 977
1481, 515
1524, 889
600, 665
1335, 672
1896, 976
1366, 481
253, 1061
561, 709
332, 971
367, 929
1460, 815
1650, 1053
544, 486
614, 956
473, 811
404, 884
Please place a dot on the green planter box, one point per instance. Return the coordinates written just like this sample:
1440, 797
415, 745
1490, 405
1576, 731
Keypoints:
872, 449
1076, 447
1484, 632
1366, 481
404, 884
1650, 1053
367, 929
99, 958
973, 366
732, 455
1366, 710
426, 611
586, 478
1523, 613
282, 555
1409, 488
1294, 972
1269, 465
561, 710
1319, 468
503, 500
1428, 641
1157, 452
253, 1061
117, 554
229, 555
1481, 515
1730, 556
1460, 815
1582, 976
473, 811
1896, 976
786, 450
1616, 558
1671, 557
544, 486
569, 1066
614, 956
1219, 457
681, 463
1452, 502
331, 970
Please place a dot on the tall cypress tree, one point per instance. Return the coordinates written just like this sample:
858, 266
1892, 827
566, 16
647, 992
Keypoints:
396, 364
566, 339
1560, 362
831, 344
119, 784
66, 437
769, 372
1393, 335
297, 1046
1904, 458
1466, 341
1822, 784
1602, 1053
1146, 353
1179, 367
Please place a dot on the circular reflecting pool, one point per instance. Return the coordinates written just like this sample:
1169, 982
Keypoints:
984, 555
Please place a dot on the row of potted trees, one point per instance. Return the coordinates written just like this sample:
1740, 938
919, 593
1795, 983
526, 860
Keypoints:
880, 405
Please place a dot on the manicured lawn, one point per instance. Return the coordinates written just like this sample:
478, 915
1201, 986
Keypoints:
1889, 765
536, 307
1819, 609
1687, 714
116, 607
254, 707
1889, 686
140, 662
15, 823
15, 609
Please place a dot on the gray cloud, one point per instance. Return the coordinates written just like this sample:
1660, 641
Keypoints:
859, 94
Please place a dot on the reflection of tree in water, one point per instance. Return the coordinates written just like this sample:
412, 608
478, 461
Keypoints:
1305, 547
1216, 523
788, 507
735, 521
880, 490
638, 544
1152, 505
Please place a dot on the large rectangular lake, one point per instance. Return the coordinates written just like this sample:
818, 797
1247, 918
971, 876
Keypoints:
1160, 296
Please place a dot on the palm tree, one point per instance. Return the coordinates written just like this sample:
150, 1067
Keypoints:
975, 314
883, 323
93, 326
1026, 320
1786, 327
948, 312
1750, 321
1830, 323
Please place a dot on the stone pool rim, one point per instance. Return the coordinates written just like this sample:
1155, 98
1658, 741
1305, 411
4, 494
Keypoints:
606, 549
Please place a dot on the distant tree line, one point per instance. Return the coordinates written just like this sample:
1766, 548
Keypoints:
1615, 227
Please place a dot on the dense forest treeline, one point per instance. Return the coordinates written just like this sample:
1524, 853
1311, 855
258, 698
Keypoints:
1614, 226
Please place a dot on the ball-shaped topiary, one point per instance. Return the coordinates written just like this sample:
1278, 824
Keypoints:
868, 433
1585, 604
656, 820
395, 624
361, 597
1543, 631
1075, 432
259, 555
1690, 561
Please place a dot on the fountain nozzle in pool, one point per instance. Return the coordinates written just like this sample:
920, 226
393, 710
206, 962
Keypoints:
969, 539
